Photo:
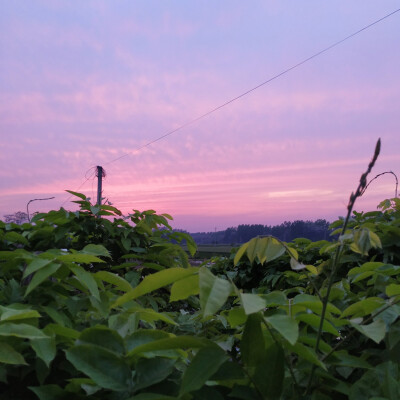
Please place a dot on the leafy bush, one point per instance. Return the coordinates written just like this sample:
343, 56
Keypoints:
100, 309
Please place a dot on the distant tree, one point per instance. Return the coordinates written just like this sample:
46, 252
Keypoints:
18, 217
286, 231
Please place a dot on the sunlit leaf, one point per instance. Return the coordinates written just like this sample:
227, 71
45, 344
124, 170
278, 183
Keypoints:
214, 292
393, 290
363, 307
252, 303
156, 281
184, 288
95, 250
285, 325
115, 280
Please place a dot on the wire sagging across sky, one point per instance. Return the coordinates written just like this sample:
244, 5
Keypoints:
254, 88
247, 92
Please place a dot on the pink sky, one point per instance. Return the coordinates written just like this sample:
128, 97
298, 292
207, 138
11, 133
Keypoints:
83, 84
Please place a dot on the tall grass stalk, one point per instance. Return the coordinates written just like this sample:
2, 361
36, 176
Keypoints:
334, 266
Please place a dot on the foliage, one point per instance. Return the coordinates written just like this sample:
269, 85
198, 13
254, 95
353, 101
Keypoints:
101, 309
287, 231
17, 218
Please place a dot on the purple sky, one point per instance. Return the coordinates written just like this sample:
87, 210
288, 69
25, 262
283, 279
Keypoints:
83, 83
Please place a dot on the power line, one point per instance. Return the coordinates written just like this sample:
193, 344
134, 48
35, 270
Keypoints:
255, 87
91, 176
169, 133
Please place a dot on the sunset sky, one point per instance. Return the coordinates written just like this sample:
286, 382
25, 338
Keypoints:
83, 83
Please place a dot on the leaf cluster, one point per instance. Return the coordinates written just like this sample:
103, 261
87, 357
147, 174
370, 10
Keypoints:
99, 309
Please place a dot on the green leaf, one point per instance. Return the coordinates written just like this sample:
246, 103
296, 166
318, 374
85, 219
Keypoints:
343, 359
15, 237
252, 344
36, 264
50, 392
126, 243
265, 365
368, 266
184, 288
45, 349
86, 279
311, 340
80, 258
264, 249
149, 315
96, 250
104, 337
111, 208
62, 331
191, 245
12, 314
393, 290
143, 336
314, 304
314, 321
41, 275
364, 240
252, 303
274, 299
236, 316
107, 370
307, 354
286, 326
152, 371
80, 195
363, 307
22, 331
240, 253
178, 342
375, 330
213, 292
57, 316
114, 279
205, 363
8, 355
381, 382
269, 373
155, 281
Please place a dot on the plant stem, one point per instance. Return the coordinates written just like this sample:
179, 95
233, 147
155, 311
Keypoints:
339, 250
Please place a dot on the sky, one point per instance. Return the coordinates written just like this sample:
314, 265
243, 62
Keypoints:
85, 83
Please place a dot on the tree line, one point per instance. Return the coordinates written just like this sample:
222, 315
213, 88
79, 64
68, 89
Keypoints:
286, 231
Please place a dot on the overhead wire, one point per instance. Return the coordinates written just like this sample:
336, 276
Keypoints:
92, 175
254, 88
284, 72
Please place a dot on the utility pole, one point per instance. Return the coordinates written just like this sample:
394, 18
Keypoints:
99, 174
